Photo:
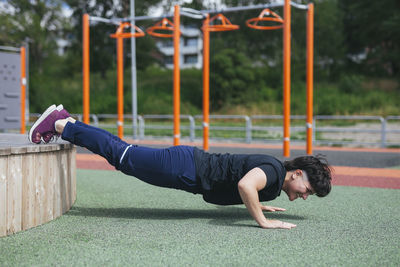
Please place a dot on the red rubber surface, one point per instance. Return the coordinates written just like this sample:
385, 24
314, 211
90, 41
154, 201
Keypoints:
346, 176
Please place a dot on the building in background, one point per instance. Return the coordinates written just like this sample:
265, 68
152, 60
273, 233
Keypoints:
191, 48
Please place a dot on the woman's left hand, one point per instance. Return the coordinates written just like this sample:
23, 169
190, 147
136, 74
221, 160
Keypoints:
271, 209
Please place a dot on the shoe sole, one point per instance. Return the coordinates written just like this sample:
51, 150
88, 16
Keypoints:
41, 118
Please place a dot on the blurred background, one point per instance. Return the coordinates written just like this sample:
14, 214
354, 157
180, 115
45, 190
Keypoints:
356, 66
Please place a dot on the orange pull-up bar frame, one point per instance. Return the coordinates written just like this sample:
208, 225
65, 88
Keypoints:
167, 25
225, 25
252, 23
23, 89
85, 68
120, 35
286, 78
163, 25
310, 76
177, 76
206, 82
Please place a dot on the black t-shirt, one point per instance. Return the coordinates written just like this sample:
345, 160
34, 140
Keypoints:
219, 175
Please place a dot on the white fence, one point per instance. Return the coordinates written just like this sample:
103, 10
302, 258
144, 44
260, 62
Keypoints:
356, 130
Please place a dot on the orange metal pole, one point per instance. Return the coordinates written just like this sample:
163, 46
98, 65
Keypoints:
86, 101
310, 76
23, 86
176, 93
206, 81
286, 79
120, 86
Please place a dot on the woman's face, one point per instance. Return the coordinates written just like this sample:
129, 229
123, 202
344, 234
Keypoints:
299, 186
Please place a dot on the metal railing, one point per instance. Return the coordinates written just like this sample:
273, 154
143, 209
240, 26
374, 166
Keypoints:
250, 129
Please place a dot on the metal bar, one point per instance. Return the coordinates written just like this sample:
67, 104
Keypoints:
299, 6
292, 117
86, 68
95, 120
176, 85
310, 77
203, 12
383, 134
141, 126
115, 21
120, 86
133, 72
9, 48
286, 79
248, 129
23, 91
345, 117
346, 130
242, 8
192, 128
206, 82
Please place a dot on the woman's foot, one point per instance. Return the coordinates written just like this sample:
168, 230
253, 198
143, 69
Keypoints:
45, 125
49, 136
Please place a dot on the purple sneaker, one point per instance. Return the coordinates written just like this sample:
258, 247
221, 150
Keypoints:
63, 114
35, 137
44, 125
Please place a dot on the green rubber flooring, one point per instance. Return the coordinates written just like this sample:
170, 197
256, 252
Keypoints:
119, 221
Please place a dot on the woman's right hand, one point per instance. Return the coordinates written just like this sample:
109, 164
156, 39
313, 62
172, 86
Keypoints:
275, 224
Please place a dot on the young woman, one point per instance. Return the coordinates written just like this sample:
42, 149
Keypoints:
222, 179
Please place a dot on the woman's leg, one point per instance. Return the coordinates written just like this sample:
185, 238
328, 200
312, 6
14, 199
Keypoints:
96, 140
170, 167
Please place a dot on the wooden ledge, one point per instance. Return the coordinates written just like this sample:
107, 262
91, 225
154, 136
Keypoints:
12, 144
37, 182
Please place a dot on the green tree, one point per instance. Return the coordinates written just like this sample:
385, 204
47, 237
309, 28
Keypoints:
372, 30
41, 22
103, 48
231, 77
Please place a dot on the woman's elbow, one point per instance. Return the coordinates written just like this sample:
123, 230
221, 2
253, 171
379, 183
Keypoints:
243, 185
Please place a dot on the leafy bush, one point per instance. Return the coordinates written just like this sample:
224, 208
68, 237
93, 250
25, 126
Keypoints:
351, 83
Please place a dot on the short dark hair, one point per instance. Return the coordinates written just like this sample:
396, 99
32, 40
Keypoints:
317, 169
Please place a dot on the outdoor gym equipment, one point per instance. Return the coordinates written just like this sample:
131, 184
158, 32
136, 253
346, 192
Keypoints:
253, 23
120, 35
225, 25
163, 25
166, 25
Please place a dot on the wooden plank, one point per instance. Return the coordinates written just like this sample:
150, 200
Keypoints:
3, 194
28, 173
14, 194
72, 165
50, 186
32, 192
68, 180
57, 188
64, 182
37, 188
43, 188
